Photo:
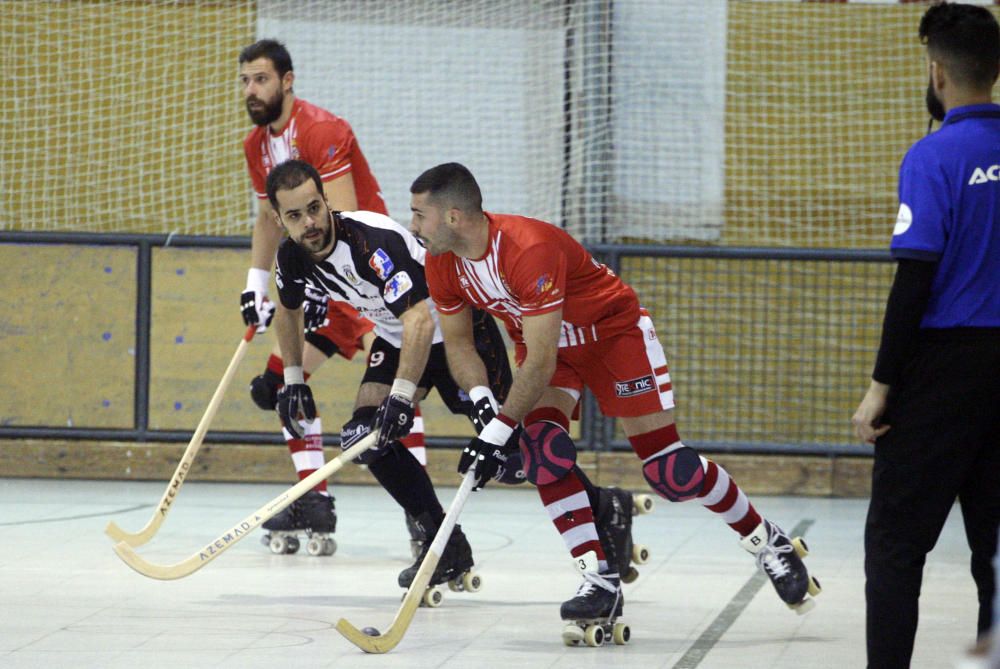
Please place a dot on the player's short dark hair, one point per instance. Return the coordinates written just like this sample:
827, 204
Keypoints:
965, 39
271, 49
451, 184
288, 175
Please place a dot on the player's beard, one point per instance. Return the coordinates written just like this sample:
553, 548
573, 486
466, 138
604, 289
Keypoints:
270, 112
316, 245
933, 102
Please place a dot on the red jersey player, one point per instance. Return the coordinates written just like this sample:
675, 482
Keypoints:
575, 324
288, 127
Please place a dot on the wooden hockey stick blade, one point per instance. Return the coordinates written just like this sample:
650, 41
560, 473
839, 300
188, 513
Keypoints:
411, 601
234, 534
184, 466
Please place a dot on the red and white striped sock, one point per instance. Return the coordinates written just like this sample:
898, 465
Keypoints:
414, 441
307, 453
721, 495
569, 509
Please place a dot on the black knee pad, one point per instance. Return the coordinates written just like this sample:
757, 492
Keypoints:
264, 390
678, 475
547, 451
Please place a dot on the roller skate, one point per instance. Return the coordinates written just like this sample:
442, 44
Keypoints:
613, 517
417, 536
454, 567
592, 614
314, 516
781, 559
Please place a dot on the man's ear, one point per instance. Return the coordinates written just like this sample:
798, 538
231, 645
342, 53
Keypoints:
938, 76
287, 81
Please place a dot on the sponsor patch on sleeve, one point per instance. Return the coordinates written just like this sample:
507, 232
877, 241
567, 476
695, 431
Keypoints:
396, 287
381, 263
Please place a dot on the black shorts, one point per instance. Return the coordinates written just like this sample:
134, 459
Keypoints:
383, 361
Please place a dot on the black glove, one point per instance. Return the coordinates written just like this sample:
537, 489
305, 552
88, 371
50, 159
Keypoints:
295, 402
482, 413
314, 308
256, 309
489, 460
394, 420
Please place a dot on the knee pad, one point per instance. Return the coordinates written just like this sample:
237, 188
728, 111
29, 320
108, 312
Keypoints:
677, 475
264, 390
547, 452
356, 429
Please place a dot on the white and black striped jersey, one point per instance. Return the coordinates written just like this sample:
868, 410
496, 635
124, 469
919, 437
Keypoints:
376, 265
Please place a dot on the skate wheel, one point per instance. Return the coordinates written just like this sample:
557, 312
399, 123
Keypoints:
803, 607
455, 585
471, 582
432, 598
278, 545
315, 546
593, 636
630, 575
266, 540
329, 546
814, 587
800, 546
572, 635
620, 634
293, 546
642, 504
640, 554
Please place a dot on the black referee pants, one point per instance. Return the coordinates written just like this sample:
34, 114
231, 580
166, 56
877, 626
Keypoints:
944, 444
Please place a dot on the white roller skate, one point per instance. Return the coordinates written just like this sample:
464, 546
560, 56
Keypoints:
592, 614
312, 515
781, 559
613, 517
454, 567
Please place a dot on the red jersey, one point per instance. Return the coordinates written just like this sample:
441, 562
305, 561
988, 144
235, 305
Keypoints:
319, 138
531, 268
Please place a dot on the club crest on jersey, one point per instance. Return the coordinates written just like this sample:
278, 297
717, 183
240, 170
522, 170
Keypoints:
351, 276
643, 384
543, 284
381, 263
396, 287
464, 281
331, 152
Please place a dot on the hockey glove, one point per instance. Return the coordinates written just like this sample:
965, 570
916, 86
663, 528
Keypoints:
295, 403
394, 420
255, 308
314, 308
486, 453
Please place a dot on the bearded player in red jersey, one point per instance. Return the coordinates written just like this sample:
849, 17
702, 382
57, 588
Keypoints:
574, 324
291, 128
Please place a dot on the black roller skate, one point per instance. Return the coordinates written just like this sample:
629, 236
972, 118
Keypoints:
314, 516
454, 567
613, 517
781, 559
592, 614
417, 536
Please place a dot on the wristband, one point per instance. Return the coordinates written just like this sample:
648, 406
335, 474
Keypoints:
294, 375
479, 392
497, 431
403, 388
258, 279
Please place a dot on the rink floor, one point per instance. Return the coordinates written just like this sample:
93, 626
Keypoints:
68, 601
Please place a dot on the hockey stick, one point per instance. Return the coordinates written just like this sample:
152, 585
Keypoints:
392, 636
184, 466
230, 537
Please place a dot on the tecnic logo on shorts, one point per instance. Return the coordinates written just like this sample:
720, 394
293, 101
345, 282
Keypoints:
643, 384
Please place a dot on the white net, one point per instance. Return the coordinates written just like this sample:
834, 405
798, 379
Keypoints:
738, 123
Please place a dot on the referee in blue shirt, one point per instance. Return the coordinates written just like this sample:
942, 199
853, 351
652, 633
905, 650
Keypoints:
933, 407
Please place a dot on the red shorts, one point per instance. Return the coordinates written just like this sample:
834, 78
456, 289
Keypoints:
344, 328
627, 373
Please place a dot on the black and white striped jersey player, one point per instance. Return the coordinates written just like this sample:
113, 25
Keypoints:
375, 264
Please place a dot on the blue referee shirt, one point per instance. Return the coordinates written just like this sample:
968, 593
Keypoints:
949, 213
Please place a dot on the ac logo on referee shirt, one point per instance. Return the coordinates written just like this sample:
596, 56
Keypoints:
643, 384
981, 176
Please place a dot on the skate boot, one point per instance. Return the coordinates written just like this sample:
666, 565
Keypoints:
593, 612
781, 559
454, 567
311, 515
613, 517
417, 536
